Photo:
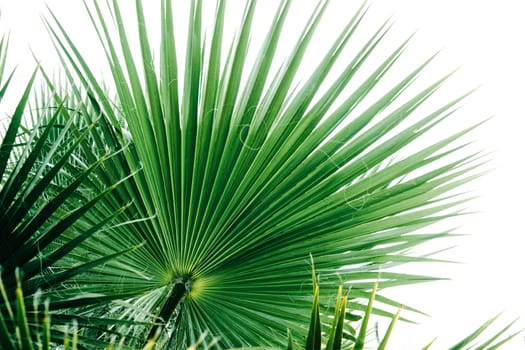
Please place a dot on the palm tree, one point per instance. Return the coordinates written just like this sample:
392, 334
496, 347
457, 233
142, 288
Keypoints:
242, 174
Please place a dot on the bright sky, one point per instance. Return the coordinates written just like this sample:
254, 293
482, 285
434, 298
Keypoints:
486, 38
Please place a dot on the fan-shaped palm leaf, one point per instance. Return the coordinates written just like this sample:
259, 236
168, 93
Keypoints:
246, 173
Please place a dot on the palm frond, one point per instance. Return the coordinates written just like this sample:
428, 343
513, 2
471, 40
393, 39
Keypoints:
333, 337
244, 174
46, 188
494, 342
23, 320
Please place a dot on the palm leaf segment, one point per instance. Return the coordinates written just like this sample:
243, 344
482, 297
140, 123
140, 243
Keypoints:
247, 172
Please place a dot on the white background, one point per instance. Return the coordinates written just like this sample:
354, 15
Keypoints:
487, 39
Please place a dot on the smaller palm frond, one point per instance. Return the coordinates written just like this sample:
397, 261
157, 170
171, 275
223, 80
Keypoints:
29, 329
494, 341
47, 185
23, 328
339, 333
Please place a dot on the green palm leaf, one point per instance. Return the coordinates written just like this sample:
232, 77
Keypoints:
46, 188
245, 174
494, 342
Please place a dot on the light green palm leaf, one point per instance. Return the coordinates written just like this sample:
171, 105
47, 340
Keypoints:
244, 174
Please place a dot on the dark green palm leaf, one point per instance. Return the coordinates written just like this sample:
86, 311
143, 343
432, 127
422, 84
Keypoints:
46, 188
